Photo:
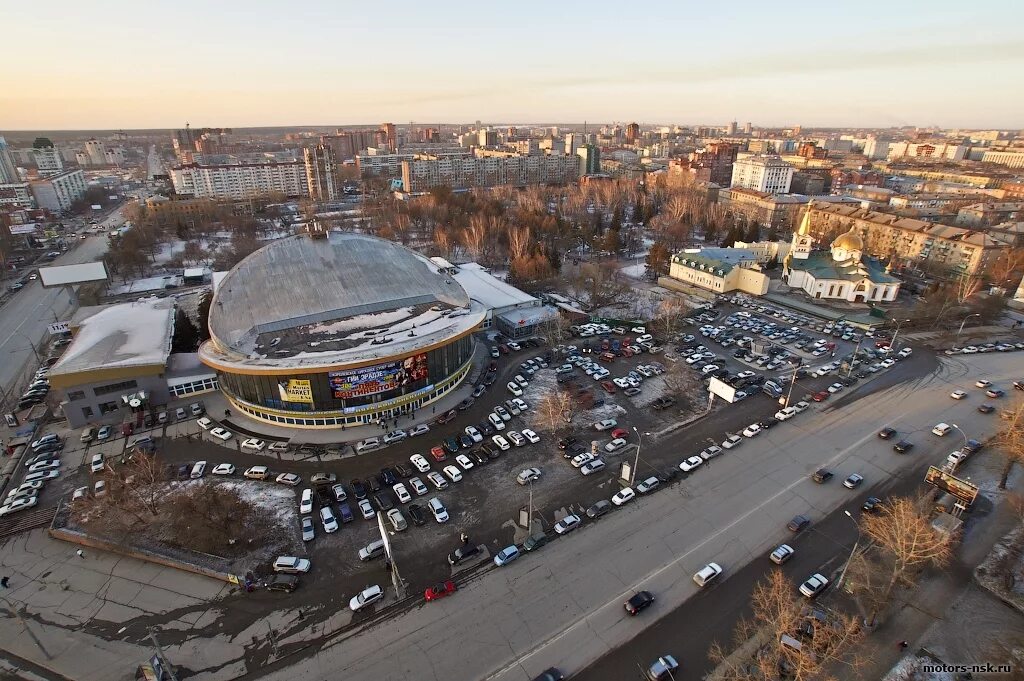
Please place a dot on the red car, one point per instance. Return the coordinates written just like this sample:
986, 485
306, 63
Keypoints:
619, 432
438, 453
440, 591
608, 386
881, 344
820, 396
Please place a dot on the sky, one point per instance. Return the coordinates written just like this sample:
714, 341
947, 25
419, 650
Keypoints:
113, 64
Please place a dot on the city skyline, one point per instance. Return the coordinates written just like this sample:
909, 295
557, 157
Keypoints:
253, 65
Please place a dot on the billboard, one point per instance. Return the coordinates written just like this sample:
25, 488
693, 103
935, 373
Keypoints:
296, 390
22, 229
961, 489
377, 378
62, 275
722, 389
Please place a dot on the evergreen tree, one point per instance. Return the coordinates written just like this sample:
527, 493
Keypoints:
186, 335
203, 312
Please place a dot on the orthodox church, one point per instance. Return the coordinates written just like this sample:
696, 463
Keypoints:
844, 273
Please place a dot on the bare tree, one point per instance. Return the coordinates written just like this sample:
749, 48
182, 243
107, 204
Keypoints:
671, 312
1010, 440
211, 517
518, 242
824, 644
902, 529
555, 330
966, 286
556, 410
597, 285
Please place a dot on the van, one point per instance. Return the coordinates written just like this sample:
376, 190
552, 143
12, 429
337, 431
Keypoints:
374, 549
368, 445
257, 473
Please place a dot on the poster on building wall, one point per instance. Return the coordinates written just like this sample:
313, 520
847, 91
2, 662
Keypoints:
377, 378
296, 390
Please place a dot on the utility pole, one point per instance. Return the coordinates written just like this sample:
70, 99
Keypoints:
160, 654
856, 351
856, 545
636, 462
792, 382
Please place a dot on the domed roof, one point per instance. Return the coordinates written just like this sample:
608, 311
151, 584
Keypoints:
299, 282
851, 241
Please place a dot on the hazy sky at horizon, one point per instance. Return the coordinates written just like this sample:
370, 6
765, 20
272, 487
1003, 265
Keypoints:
114, 64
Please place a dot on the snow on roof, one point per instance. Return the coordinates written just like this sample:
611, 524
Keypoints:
530, 316
488, 290
129, 334
62, 275
192, 272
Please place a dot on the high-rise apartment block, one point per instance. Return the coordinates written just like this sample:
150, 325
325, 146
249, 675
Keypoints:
58, 192
632, 133
240, 180
47, 157
769, 174
487, 138
321, 172
590, 159
748, 128
730, 129
8, 169
425, 172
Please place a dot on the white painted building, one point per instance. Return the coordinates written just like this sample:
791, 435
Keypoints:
769, 174
240, 181
47, 157
58, 192
1013, 158
15, 194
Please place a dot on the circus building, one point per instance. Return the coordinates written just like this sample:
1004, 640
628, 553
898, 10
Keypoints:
332, 329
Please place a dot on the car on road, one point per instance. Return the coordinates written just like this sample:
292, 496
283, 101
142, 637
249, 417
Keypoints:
282, 582
781, 554
528, 475
814, 585
958, 394
439, 591
599, 509
421, 429
289, 479
567, 524
853, 481
647, 486
986, 408
707, 574
941, 429
871, 504
104, 433
752, 430
982, 383
822, 475
731, 441
221, 434
711, 452
606, 424
623, 496
252, 444
506, 555
886, 433
291, 564
367, 596
786, 413
903, 446
995, 392
639, 602
798, 523
690, 464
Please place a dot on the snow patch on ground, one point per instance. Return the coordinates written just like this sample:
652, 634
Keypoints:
909, 669
634, 271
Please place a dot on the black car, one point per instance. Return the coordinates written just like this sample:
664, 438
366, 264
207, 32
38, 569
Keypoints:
986, 408
641, 600
325, 495
466, 441
489, 379
489, 451
822, 475
383, 501
184, 471
487, 428
416, 514
798, 523
995, 392
358, 488
479, 457
903, 446
451, 445
403, 470
373, 484
479, 390
282, 582
463, 553
565, 442
973, 446
1019, 385
871, 504
886, 433
573, 450
599, 509
387, 476
148, 420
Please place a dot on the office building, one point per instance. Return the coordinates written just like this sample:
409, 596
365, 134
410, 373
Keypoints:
47, 157
58, 192
240, 180
768, 174
748, 128
632, 133
730, 129
487, 138
1011, 158
321, 173
590, 159
8, 169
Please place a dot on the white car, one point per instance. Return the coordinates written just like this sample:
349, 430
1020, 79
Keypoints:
514, 389
221, 434
941, 429
420, 462
625, 495
531, 436
437, 480
503, 413
567, 524
528, 475
224, 469
835, 387
814, 585
421, 429
500, 442
786, 413
306, 502
707, 574
252, 444
615, 445
711, 452
592, 466
452, 473
279, 446
438, 509
496, 421
581, 459
395, 436
520, 380
18, 504
958, 394
366, 509
474, 433
731, 441
367, 596
308, 529
417, 486
523, 406
745, 374
402, 493
291, 564
621, 382
801, 406
329, 521
516, 439
606, 424
752, 430
690, 464
204, 423
978, 384
289, 479
708, 369
96, 465
464, 462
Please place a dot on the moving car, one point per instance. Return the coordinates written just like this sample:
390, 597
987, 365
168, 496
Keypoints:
903, 446
941, 429
958, 394
822, 475
798, 523
640, 601
707, 574
367, 596
814, 585
886, 433
853, 480
528, 475
665, 667
439, 590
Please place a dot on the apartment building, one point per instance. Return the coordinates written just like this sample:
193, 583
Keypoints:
321, 172
47, 157
240, 180
58, 192
985, 214
908, 241
768, 174
1011, 158
15, 194
780, 212
422, 173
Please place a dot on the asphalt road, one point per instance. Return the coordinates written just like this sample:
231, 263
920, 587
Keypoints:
25, 317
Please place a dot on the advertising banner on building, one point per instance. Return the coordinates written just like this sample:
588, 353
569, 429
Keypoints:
296, 390
377, 378
961, 489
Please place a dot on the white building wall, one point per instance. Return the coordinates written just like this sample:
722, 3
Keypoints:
241, 181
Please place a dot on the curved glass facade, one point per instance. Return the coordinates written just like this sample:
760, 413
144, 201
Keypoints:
353, 392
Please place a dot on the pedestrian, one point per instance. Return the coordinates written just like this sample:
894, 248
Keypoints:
433, 409
301, 615
3, 581
80, 553
903, 644
465, 538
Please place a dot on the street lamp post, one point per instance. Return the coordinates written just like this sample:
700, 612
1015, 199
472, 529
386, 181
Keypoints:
892, 343
856, 545
636, 461
961, 330
962, 433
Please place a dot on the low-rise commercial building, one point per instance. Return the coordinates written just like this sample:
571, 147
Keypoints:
720, 270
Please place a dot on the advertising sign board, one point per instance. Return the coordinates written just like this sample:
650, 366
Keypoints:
377, 378
296, 390
59, 327
961, 489
722, 389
